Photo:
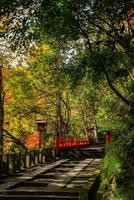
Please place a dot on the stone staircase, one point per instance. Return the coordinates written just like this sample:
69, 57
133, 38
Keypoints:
86, 152
40, 195
61, 180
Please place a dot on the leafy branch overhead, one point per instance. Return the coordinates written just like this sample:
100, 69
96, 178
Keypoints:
103, 29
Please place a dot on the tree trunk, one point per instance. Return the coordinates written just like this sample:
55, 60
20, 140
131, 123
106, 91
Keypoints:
58, 108
95, 130
84, 120
58, 98
95, 122
132, 114
1, 117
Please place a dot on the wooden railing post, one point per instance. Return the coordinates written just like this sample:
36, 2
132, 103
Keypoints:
14, 162
108, 137
33, 152
18, 156
30, 159
41, 156
25, 159
7, 164
57, 143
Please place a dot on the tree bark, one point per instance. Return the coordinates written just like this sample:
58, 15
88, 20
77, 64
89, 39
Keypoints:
85, 125
1, 117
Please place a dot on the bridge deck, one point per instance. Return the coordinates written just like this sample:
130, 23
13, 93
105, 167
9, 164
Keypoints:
61, 179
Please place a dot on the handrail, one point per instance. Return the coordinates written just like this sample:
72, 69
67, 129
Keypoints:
67, 142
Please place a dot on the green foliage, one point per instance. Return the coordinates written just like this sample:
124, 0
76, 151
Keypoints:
109, 114
112, 166
125, 192
17, 24
117, 170
50, 144
120, 194
99, 43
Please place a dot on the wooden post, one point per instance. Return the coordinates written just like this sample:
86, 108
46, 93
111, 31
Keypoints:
57, 143
40, 130
14, 162
41, 159
43, 156
25, 159
18, 161
30, 158
7, 164
108, 137
38, 156
34, 161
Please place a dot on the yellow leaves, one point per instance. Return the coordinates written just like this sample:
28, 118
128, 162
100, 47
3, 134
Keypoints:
1, 25
74, 112
114, 184
23, 71
46, 49
20, 69
43, 50
8, 96
2, 22
6, 73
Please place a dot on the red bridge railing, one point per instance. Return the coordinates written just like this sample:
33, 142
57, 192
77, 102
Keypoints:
66, 142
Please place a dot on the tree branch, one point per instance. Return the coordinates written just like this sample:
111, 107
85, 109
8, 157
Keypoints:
84, 33
126, 65
15, 139
115, 90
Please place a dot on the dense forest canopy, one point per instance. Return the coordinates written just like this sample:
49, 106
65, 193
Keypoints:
101, 29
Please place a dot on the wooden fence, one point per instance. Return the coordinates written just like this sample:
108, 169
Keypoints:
21, 160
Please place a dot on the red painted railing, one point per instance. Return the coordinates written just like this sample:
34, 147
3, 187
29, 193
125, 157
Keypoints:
63, 143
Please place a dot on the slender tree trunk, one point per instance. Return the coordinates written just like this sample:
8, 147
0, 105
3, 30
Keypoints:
58, 108
1, 117
85, 125
95, 130
131, 113
95, 122
58, 98
66, 122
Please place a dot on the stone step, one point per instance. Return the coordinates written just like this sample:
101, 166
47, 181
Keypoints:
61, 180
11, 182
46, 176
38, 192
86, 153
80, 156
38, 197
32, 195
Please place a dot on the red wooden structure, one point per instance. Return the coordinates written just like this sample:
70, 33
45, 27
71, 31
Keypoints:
40, 130
66, 142
41, 127
108, 137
